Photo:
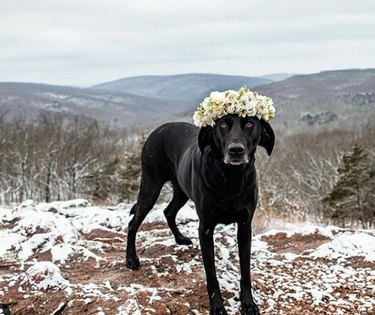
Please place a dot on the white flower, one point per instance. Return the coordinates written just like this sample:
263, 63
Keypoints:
232, 109
251, 108
243, 103
271, 111
231, 97
209, 120
219, 96
198, 119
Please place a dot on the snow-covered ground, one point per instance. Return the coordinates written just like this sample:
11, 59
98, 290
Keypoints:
68, 258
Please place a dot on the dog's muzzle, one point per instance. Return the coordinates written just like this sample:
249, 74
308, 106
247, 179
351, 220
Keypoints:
236, 154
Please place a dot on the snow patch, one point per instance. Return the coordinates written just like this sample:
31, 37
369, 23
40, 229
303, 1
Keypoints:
280, 279
348, 245
318, 295
185, 215
61, 252
129, 307
44, 275
305, 229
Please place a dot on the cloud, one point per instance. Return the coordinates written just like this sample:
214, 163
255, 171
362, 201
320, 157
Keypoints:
91, 41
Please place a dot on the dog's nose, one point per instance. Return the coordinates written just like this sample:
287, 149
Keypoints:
236, 148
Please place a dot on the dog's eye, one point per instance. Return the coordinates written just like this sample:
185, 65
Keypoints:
248, 125
224, 125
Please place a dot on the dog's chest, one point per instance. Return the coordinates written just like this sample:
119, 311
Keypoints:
230, 215
235, 202
229, 209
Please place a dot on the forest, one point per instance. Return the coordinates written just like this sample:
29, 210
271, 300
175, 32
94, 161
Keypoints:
321, 176
60, 158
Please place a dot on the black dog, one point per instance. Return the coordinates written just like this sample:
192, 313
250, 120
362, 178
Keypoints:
213, 166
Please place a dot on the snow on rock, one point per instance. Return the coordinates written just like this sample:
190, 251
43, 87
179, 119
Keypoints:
43, 276
61, 252
9, 241
27, 204
87, 218
129, 307
304, 269
257, 245
184, 215
54, 227
305, 229
31, 245
75, 203
348, 245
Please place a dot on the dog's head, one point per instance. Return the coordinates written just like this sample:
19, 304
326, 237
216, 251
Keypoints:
235, 138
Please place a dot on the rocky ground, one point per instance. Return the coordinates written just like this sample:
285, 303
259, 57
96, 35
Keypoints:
68, 258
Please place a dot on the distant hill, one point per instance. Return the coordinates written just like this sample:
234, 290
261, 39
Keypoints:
113, 108
344, 99
146, 100
191, 88
277, 76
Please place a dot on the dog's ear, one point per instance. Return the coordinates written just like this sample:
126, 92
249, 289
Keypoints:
267, 137
205, 137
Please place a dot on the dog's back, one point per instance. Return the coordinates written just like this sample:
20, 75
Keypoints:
165, 147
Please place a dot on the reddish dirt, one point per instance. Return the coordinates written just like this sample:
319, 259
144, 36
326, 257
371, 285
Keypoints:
296, 244
114, 272
177, 292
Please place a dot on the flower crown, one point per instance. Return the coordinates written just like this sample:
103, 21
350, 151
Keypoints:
242, 102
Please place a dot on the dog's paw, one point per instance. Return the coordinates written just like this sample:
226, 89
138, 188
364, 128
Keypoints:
132, 262
250, 310
183, 240
4, 309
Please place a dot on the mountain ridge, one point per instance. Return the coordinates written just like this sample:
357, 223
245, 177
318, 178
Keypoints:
340, 95
329, 98
190, 86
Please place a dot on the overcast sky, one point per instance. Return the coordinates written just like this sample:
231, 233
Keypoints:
83, 42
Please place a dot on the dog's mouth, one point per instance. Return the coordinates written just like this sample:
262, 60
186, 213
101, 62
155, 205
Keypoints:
236, 161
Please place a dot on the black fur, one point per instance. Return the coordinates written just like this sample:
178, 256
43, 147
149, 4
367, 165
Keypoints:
5, 309
214, 167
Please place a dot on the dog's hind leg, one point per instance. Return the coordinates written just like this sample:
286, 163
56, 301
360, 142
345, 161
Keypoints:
177, 202
148, 194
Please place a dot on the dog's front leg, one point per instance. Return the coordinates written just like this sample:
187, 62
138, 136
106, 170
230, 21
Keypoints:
206, 238
248, 306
